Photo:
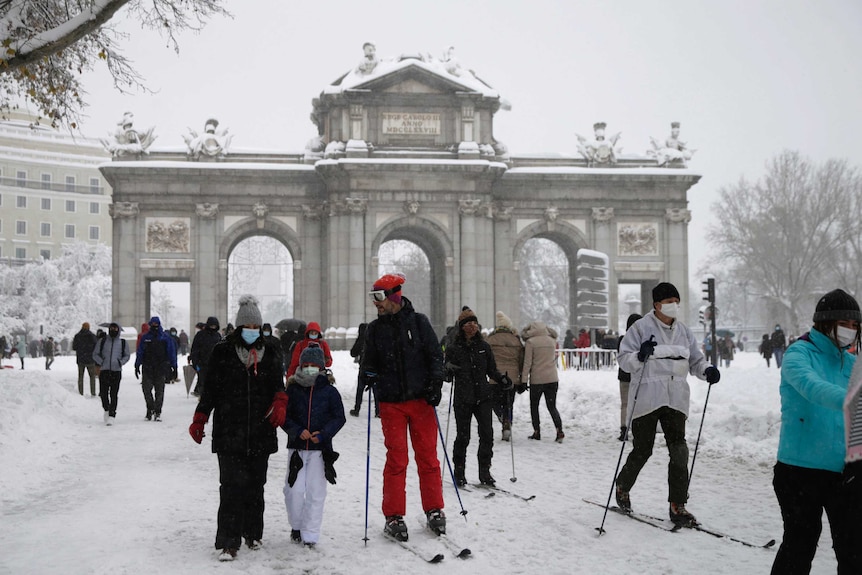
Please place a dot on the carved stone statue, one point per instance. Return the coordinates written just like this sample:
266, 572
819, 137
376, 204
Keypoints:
674, 150
599, 150
212, 143
369, 61
126, 140
450, 62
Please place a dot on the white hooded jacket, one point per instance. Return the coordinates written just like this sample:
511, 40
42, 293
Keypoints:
662, 380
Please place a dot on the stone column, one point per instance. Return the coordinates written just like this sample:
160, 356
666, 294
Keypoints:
356, 255
506, 288
310, 290
208, 279
676, 250
469, 249
126, 308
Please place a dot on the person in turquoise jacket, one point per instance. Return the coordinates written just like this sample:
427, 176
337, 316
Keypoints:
811, 447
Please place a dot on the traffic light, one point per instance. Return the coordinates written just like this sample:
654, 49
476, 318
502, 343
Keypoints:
709, 290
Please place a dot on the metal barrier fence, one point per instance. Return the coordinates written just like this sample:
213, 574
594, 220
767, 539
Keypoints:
592, 358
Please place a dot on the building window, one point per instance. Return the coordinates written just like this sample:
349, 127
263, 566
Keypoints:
46, 254
70, 205
21, 179
21, 201
21, 253
21, 228
70, 231
94, 185
94, 232
70, 183
46, 181
46, 204
94, 207
45, 229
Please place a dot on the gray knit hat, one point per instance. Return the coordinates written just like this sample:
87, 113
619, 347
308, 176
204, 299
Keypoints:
312, 355
249, 313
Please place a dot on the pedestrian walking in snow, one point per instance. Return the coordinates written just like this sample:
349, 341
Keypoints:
540, 372
83, 344
49, 352
245, 390
470, 363
184, 342
313, 338
158, 358
779, 344
725, 350
815, 378
509, 354
659, 351
314, 415
403, 361
765, 348
111, 354
202, 347
625, 379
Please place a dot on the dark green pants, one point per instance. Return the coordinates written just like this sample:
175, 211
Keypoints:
643, 434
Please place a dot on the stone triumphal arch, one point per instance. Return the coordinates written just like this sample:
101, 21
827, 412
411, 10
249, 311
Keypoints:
406, 150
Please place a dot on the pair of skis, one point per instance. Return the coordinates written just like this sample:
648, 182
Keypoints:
494, 490
665, 525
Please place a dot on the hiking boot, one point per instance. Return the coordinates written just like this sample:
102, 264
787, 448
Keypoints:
624, 502
354, 412
436, 521
157, 417
395, 527
623, 430
149, 415
253, 544
460, 478
536, 435
485, 478
295, 536
560, 436
227, 554
679, 515
507, 434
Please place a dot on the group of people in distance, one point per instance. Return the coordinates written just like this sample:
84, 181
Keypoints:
403, 363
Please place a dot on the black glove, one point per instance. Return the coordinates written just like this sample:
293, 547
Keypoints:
137, 372
712, 374
295, 466
647, 348
506, 382
434, 392
521, 388
329, 459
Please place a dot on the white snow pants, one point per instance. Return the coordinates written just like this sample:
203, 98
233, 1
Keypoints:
304, 501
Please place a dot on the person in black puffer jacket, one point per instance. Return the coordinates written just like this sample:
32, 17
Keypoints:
245, 389
202, 347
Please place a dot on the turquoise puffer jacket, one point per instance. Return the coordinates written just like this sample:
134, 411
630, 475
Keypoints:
814, 379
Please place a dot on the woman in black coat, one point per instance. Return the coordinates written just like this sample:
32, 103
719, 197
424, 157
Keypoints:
245, 389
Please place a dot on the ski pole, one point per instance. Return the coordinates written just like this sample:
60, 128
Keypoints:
601, 528
510, 404
448, 417
449, 465
367, 464
699, 431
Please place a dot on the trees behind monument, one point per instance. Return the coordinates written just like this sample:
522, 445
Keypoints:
794, 234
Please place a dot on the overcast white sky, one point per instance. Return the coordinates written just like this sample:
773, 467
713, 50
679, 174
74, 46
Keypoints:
747, 79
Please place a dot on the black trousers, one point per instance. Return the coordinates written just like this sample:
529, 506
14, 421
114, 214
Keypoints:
241, 504
803, 494
153, 380
109, 389
549, 390
464, 414
643, 440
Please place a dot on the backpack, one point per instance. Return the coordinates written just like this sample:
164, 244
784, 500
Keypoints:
102, 347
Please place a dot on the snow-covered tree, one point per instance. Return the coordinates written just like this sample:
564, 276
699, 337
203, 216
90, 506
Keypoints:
544, 284
793, 235
45, 46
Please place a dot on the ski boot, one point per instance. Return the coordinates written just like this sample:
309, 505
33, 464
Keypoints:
560, 435
485, 477
460, 478
295, 536
624, 502
536, 435
507, 431
395, 527
436, 521
680, 516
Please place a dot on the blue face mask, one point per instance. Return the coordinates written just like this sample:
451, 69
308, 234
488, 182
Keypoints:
250, 335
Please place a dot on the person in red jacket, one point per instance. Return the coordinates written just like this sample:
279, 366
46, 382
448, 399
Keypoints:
313, 337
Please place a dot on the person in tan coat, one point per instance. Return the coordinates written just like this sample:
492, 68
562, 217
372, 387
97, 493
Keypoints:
540, 371
509, 353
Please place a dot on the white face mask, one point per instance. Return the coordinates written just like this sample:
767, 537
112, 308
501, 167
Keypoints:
313, 335
671, 310
310, 370
846, 336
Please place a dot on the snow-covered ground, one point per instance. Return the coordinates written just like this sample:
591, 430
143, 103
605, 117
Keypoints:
77, 497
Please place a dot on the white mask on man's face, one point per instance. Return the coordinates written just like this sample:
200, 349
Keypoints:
671, 310
846, 336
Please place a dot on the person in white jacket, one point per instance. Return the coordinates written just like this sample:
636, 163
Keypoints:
660, 352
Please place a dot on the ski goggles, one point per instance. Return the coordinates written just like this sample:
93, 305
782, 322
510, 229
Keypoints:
381, 294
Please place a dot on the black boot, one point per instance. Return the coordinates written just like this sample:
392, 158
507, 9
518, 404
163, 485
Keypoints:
623, 430
485, 477
460, 479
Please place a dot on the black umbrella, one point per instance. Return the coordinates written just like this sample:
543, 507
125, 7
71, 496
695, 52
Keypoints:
291, 324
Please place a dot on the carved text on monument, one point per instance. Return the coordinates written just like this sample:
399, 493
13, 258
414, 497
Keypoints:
410, 124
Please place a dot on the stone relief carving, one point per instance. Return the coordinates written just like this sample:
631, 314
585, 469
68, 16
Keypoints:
259, 209
411, 207
356, 205
314, 212
123, 209
501, 212
213, 143
603, 214
469, 207
551, 214
638, 239
677, 215
126, 140
206, 210
166, 235
599, 149
672, 151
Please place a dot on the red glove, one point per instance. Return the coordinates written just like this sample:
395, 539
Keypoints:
196, 429
278, 411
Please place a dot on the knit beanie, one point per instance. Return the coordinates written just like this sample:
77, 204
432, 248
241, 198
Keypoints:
312, 354
85, 325
502, 320
837, 305
663, 291
632, 319
466, 316
248, 313
391, 283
